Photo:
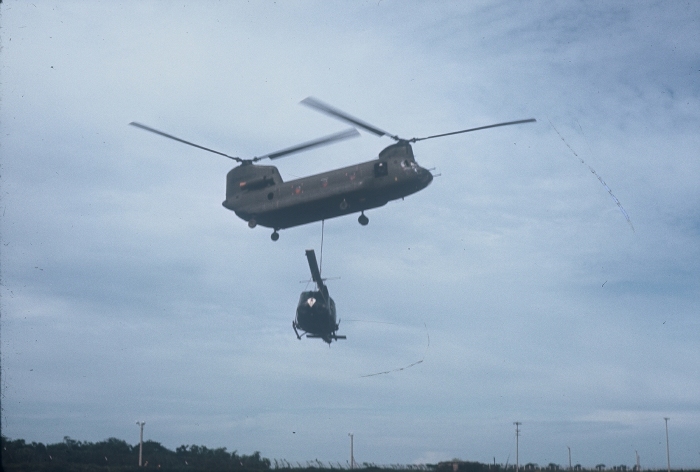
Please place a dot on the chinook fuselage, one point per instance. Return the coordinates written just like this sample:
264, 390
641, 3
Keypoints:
258, 195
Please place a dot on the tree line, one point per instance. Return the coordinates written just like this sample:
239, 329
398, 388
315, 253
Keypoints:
115, 455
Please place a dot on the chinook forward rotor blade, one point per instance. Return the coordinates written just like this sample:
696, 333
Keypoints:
348, 133
529, 120
334, 112
153, 130
313, 265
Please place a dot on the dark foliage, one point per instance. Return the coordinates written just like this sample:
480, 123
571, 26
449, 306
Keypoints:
116, 455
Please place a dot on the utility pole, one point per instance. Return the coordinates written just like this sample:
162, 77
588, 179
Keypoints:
141, 424
352, 455
668, 453
517, 435
569, 456
639, 467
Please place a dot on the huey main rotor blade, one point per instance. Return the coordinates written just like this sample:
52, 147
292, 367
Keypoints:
529, 120
329, 110
153, 130
348, 133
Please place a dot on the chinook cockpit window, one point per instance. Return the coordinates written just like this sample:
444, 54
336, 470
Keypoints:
407, 164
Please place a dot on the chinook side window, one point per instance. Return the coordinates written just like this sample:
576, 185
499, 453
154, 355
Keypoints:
381, 169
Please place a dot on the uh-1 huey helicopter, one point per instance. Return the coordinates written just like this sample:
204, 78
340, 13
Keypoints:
258, 195
316, 316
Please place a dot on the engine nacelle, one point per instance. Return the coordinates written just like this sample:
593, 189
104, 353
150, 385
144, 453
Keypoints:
251, 177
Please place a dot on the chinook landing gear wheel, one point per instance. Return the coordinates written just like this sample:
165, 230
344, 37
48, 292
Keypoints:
363, 220
275, 236
252, 223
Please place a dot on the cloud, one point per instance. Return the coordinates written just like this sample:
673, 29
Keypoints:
129, 292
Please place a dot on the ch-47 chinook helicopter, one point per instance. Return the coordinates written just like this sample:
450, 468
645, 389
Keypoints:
258, 195
316, 309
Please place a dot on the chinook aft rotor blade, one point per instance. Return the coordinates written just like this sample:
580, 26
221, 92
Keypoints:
313, 265
348, 133
529, 120
153, 130
334, 112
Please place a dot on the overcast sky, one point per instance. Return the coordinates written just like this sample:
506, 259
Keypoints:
129, 293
